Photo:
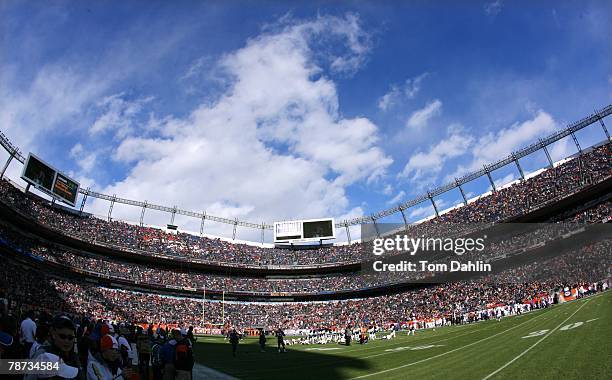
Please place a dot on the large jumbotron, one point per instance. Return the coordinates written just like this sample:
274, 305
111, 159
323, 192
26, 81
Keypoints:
329, 190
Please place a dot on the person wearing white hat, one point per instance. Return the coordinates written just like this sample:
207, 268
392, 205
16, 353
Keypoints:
59, 348
60, 368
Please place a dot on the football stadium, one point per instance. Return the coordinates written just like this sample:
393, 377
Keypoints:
289, 199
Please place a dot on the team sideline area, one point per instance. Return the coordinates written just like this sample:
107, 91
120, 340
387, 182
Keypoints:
569, 341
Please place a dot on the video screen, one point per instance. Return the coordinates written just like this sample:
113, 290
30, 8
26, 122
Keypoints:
66, 188
319, 229
38, 173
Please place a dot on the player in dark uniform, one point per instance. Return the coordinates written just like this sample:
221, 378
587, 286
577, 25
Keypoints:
234, 338
280, 339
348, 334
262, 340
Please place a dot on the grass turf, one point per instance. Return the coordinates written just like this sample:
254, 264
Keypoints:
569, 341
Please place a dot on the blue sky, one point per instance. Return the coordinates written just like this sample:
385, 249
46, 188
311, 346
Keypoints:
275, 110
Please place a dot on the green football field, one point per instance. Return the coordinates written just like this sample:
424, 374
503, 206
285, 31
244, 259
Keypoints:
569, 341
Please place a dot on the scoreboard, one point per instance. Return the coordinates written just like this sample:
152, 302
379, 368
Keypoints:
304, 230
44, 177
66, 188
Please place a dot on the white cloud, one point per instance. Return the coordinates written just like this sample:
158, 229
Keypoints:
418, 119
418, 213
388, 189
562, 149
492, 9
349, 29
411, 88
53, 97
496, 145
413, 85
274, 146
397, 199
196, 68
118, 116
390, 98
85, 160
505, 180
423, 167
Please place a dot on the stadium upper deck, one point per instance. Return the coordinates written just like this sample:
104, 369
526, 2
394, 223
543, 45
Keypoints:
591, 170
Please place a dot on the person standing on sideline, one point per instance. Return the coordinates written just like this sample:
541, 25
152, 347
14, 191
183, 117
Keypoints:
190, 336
262, 341
234, 338
280, 339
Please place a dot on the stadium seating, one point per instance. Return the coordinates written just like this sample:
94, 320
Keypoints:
543, 189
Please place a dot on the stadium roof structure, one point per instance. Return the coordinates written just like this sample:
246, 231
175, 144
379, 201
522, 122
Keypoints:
541, 144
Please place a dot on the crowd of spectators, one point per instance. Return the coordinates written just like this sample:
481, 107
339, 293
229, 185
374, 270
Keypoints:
81, 347
148, 274
106, 267
548, 186
25, 288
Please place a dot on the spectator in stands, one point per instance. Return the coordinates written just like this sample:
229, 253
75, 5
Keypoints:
5, 342
28, 331
156, 357
143, 346
184, 361
125, 348
106, 364
168, 355
85, 340
60, 343
12, 348
42, 334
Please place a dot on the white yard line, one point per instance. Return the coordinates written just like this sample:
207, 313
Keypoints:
202, 372
437, 341
535, 344
448, 352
